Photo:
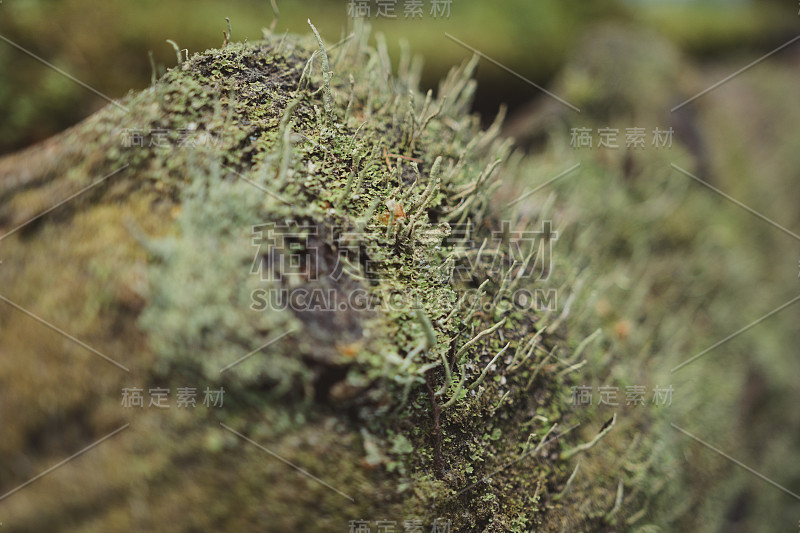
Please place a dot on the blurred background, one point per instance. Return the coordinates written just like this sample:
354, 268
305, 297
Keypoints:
675, 267
106, 44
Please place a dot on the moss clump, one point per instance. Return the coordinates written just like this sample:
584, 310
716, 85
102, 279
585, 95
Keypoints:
377, 189
436, 391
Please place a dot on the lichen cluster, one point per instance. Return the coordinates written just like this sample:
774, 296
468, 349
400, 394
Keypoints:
380, 175
443, 398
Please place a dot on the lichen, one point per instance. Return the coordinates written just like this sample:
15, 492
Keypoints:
441, 399
382, 153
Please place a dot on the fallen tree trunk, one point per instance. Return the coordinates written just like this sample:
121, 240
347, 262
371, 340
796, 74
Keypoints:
277, 299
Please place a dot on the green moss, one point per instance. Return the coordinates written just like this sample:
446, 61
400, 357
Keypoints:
447, 400
198, 316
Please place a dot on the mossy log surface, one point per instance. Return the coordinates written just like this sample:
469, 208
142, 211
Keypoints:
157, 267
204, 232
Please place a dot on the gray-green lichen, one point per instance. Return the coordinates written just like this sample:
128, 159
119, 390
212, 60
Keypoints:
389, 146
379, 361
445, 399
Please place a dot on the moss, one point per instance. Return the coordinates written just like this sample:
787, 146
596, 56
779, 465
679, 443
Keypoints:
382, 185
443, 399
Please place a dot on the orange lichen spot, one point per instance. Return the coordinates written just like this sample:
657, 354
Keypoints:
350, 349
392, 207
622, 328
386, 158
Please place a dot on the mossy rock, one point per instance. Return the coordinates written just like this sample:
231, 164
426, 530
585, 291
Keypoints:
384, 361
